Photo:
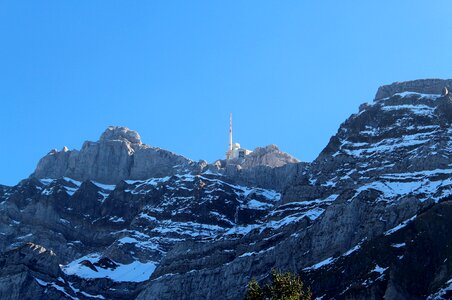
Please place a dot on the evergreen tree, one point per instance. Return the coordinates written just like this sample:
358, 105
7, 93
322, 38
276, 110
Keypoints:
283, 286
254, 291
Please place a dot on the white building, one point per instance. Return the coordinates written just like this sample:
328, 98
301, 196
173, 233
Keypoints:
234, 150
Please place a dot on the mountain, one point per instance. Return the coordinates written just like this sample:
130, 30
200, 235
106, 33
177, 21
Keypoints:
122, 219
119, 154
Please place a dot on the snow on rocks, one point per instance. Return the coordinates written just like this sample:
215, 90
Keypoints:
400, 226
321, 264
88, 267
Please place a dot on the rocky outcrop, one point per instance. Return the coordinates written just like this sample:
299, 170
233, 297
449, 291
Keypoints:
424, 86
269, 156
119, 154
412, 262
398, 134
21, 270
266, 167
33, 256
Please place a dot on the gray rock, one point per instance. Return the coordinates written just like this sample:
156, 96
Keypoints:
269, 156
425, 86
115, 133
22, 267
119, 154
265, 167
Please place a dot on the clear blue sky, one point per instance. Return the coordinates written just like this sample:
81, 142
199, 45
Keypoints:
290, 71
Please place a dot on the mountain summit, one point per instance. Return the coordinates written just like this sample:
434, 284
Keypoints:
119, 154
119, 133
422, 86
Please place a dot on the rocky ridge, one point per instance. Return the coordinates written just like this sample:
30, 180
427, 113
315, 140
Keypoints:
173, 234
119, 154
423, 86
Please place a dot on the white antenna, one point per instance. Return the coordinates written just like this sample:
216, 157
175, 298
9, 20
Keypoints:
230, 132
229, 152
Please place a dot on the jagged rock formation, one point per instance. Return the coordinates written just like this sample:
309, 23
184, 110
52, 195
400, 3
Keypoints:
266, 167
269, 156
424, 86
411, 259
24, 268
119, 154
407, 132
373, 203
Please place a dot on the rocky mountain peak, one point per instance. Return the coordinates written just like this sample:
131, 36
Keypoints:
118, 155
266, 149
114, 133
268, 156
423, 86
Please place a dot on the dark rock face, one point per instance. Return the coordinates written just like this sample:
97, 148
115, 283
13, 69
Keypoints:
170, 228
24, 270
413, 262
400, 134
124, 229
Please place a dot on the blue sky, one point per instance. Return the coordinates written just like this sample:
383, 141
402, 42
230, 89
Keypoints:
289, 71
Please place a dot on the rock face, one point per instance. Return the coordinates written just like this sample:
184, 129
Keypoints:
269, 156
23, 269
409, 260
119, 154
424, 86
266, 167
407, 132
362, 221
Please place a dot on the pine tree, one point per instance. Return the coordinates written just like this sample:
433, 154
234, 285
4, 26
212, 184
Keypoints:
254, 291
283, 286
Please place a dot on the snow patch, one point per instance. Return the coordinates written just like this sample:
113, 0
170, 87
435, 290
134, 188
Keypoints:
108, 187
133, 272
400, 245
400, 226
325, 262
379, 269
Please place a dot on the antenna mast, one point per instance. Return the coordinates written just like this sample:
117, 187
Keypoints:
229, 152
230, 132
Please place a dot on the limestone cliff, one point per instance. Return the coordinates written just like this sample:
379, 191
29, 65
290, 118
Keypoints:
119, 154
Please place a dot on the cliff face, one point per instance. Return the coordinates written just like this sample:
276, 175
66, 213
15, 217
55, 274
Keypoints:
408, 132
423, 86
119, 154
121, 219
